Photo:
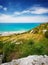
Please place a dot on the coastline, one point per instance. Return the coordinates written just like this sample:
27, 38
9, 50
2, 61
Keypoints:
7, 33
7, 29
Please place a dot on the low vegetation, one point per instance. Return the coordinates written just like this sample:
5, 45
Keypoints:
22, 45
46, 34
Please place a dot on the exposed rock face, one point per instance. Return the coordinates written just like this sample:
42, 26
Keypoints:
1, 59
30, 60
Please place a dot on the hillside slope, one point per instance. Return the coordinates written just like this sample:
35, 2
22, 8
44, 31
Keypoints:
33, 42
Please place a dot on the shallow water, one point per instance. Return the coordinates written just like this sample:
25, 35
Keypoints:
8, 27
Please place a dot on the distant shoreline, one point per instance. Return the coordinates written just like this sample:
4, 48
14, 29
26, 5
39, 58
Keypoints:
11, 32
9, 29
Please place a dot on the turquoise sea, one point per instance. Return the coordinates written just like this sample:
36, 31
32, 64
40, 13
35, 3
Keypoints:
7, 27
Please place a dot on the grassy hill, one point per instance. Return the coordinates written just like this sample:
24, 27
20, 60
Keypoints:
32, 42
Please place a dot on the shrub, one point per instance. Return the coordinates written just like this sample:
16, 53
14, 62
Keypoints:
26, 48
1, 47
8, 49
38, 49
46, 34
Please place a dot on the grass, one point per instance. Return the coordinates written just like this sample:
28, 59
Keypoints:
30, 44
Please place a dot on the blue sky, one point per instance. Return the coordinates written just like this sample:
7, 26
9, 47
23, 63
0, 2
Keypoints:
23, 11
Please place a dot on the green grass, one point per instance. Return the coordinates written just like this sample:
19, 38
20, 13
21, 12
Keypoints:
30, 44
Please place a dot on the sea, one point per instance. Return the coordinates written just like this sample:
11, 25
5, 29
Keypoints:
8, 27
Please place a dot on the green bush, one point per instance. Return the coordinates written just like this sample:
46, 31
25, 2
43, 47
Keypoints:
38, 49
8, 49
26, 47
46, 34
1, 47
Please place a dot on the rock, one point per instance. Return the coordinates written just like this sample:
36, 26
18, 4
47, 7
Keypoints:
30, 60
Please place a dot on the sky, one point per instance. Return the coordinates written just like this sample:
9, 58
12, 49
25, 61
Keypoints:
23, 11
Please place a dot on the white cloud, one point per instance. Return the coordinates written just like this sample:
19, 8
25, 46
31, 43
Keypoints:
5, 9
28, 19
22, 12
17, 13
25, 19
1, 6
39, 10
33, 10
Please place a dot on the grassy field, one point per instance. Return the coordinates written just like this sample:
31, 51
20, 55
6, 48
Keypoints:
21, 45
